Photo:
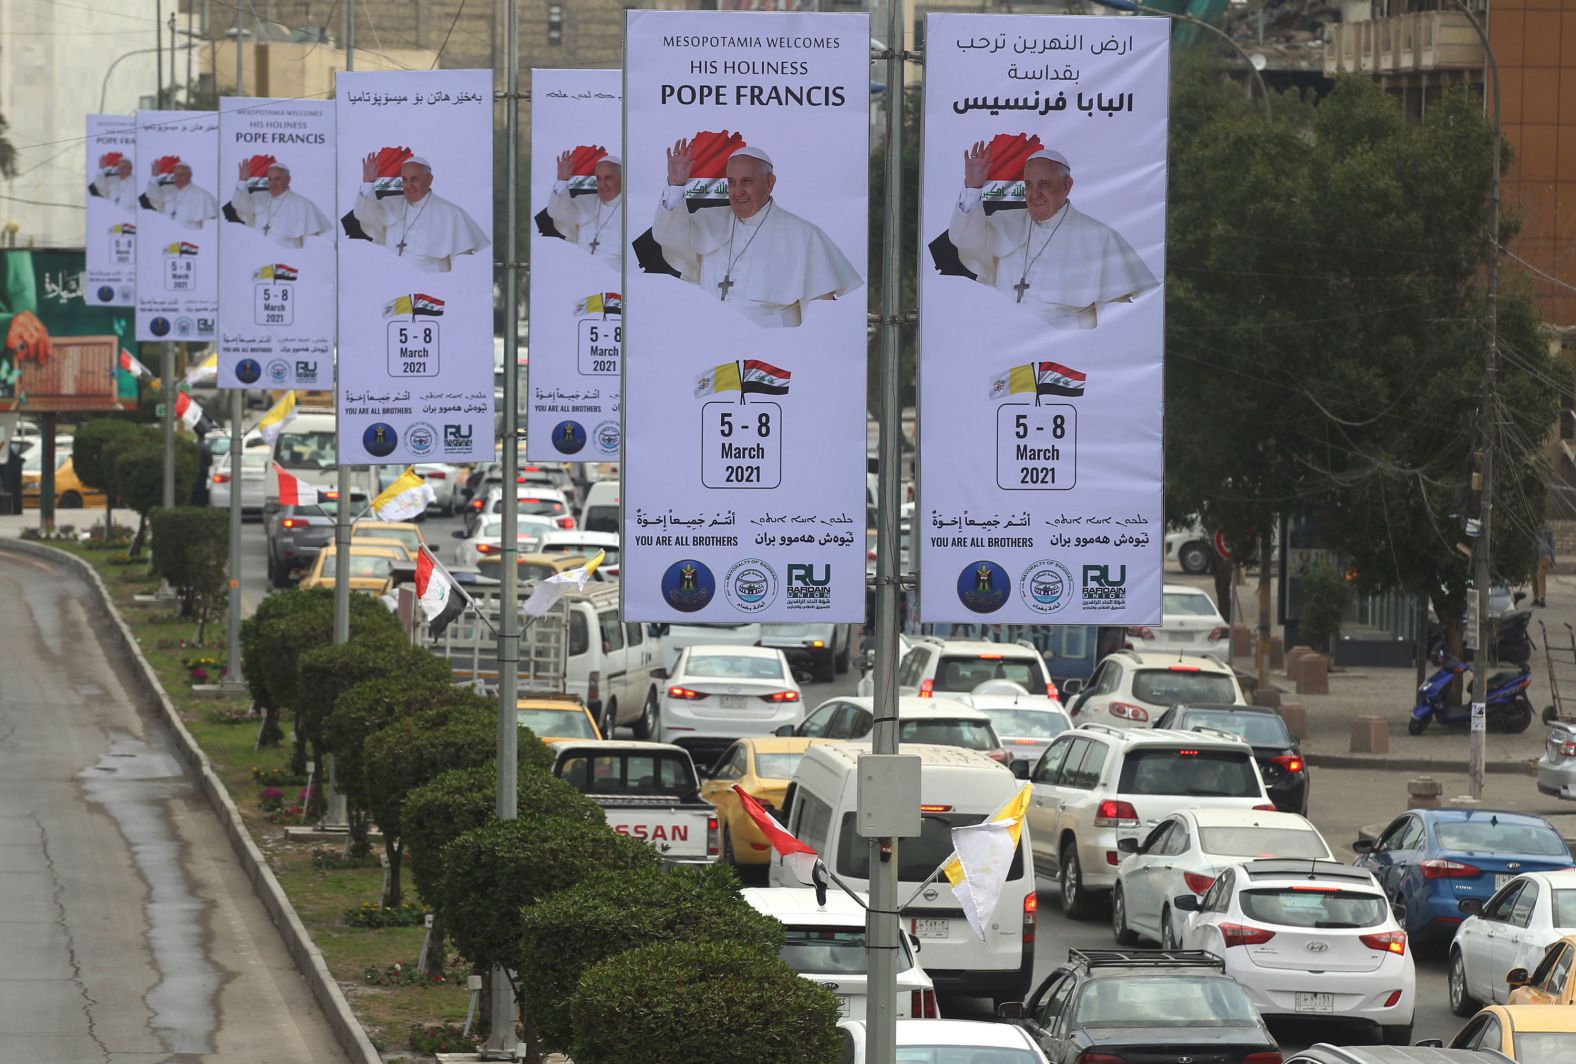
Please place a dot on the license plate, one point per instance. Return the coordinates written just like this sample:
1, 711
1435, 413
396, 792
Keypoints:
932, 928
1501, 878
1315, 1002
732, 701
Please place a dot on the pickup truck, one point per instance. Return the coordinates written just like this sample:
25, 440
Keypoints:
646, 790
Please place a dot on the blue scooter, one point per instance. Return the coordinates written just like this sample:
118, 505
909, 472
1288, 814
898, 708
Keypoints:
1508, 709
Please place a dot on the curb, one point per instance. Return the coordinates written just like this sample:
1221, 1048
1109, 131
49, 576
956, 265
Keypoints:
308, 959
1415, 764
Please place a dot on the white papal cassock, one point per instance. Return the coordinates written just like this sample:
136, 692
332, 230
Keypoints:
121, 191
286, 219
428, 233
190, 206
1070, 262
588, 223
767, 266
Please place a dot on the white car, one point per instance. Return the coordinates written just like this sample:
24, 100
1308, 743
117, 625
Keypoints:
675, 637
1511, 930
444, 480
937, 721
1096, 784
529, 502
1309, 939
1025, 722
933, 666
1183, 855
1131, 690
487, 541
719, 693
948, 1042
826, 944
1189, 624
579, 541
221, 479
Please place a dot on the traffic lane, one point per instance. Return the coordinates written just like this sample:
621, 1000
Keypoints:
129, 931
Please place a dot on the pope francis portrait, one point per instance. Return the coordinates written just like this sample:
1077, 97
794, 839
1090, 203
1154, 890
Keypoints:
418, 225
114, 182
1050, 257
184, 203
283, 216
595, 224
754, 255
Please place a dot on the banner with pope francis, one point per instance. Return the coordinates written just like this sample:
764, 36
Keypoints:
577, 254
414, 221
112, 190
276, 262
1042, 264
746, 207
177, 225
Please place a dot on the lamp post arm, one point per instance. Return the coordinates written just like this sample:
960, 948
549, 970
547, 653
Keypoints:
1133, 8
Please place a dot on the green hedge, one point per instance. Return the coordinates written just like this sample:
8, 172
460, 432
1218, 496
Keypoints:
191, 550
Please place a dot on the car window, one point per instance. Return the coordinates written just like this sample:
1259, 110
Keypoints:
777, 766
1499, 906
733, 667
812, 821
1055, 1003
1554, 982
1179, 840
1218, 896
1156, 841
1564, 908
306, 450
825, 950
959, 672
815, 723
1167, 687
1188, 772
1187, 604
918, 857
968, 734
1488, 1037
612, 631
1545, 1047
730, 766
1332, 909
1485, 836
1050, 764
1087, 774
1255, 729
1110, 678
633, 633
635, 774
908, 671
1252, 841
579, 635
556, 723
1027, 723
1185, 1000
1521, 912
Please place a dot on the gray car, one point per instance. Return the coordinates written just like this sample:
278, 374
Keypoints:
296, 534
1557, 766
1419, 1054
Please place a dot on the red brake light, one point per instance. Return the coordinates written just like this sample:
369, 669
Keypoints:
1218, 633
566, 522
1128, 711
711, 837
488, 548
1393, 999
1187, 753
221, 478
1196, 883
685, 693
935, 809
1243, 935
990, 657
476, 504
1182, 668
1050, 690
331, 496
292, 522
782, 696
1089, 1056
922, 1005
1269, 1056
437, 474
1385, 941
1267, 807
927, 688
1288, 762
1141, 631
1568, 748
1031, 909
1000, 756
1110, 813
594, 686
1439, 868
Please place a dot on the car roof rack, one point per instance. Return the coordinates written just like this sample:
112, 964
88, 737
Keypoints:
1145, 958
1282, 867
1106, 729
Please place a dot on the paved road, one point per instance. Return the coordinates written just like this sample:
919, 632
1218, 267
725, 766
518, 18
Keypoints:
129, 934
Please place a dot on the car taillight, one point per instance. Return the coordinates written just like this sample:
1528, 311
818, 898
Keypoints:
1031, 909
1439, 868
1568, 748
927, 688
1196, 883
1140, 632
1268, 1056
1181, 668
1050, 689
331, 496
594, 686
1089, 1056
1385, 941
566, 522
1266, 807
1217, 633
292, 522
711, 836
437, 474
782, 696
1287, 763
921, 1004
1243, 935
1128, 711
1000, 756
476, 504
221, 478
1110, 813
488, 548
1392, 999
685, 693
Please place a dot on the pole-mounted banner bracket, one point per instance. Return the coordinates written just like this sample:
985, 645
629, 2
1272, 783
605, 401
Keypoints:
915, 56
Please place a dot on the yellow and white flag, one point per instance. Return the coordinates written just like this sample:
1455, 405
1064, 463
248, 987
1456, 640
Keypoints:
1015, 381
204, 372
723, 378
552, 589
981, 858
281, 414
405, 498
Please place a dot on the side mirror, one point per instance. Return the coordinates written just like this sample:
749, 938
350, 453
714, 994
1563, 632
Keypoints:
1009, 1010
270, 506
1470, 906
785, 730
1431, 1043
1187, 903
457, 534
659, 673
1072, 687
1517, 977
1020, 769
1127, 845
1363, 847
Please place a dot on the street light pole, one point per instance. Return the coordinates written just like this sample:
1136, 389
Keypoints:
1133, 8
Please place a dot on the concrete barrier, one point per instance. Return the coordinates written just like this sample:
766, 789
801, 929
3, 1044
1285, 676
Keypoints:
1294, 658
1313, 675
1268, 697
1295, 714
1277, 653
1370, 735
1241, 641
1423, 793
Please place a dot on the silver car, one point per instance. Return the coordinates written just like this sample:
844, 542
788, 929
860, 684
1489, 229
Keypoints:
1557, 766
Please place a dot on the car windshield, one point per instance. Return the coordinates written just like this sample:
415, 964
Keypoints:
918, 857
361, 565
408, 536
824, 950
601, 519
777, 766
1487, 836
1182, 1000
1027, 723
1167, 687
956, 672
1194, 773
733, 667
1317, 907
1186, 604
557, 722
637, 774
1256, 729
1262, 842
1545, 1047
964, 1055
306, 450
943, 731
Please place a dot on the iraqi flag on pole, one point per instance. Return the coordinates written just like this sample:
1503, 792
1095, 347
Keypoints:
131, 365
763, 378
1056, 379
294, 493
192, 415
797, 857
441, 598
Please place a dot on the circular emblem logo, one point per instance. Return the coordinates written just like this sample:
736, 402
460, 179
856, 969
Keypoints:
1046, 586
420, 439
183, 326
125, 293
159, 326
105, 293
569, 437
751, 585
379, 439
278, 371
688, 585
608, 438
983, 586
247, 371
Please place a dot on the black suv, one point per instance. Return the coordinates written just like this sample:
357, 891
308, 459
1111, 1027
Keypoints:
1274, 747
1144, 1007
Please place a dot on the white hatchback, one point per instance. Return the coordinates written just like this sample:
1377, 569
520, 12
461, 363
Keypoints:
1131, 690
1025, 722
1511, 930
1189, 624
1311, 939
947, 1042
718, 693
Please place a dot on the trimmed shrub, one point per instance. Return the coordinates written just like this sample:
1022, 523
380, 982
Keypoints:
703, 1003
276, 606
191, 550
136, 468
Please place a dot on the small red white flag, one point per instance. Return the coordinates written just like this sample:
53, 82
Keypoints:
798, 857
441, 598
294, 493
130, 364
192, 414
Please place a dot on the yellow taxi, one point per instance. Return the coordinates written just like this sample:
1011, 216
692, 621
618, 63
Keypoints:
530, 567
371, 569
404, 531
70, 492
1551, 982
1527, 1034
405, 553
762, 767
556, 720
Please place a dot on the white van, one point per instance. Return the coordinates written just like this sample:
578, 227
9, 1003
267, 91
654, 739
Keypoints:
957, 788
610, 663
600, 513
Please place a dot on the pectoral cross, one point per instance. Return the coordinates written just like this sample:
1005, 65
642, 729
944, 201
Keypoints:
594, 242
400, 247
267, 226
725, 284
1021, 287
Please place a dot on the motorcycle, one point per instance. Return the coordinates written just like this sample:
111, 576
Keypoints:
1511, 643
1507, 707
